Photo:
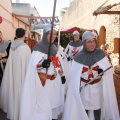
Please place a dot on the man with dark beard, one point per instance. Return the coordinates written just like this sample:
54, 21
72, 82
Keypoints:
4, 53
91, 93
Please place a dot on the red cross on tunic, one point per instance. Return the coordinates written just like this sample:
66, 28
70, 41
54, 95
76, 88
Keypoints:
89, 70
55, 60
74, 51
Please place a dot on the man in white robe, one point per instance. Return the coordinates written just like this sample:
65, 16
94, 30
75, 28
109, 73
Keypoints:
14, 75
43, 91
96, 100
71, 50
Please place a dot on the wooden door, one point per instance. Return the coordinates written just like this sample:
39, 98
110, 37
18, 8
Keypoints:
102, 36
117, 88
117, 47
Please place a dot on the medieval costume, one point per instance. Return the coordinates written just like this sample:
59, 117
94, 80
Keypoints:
13, 79
71, 50
4, 53
97, 99
43, 91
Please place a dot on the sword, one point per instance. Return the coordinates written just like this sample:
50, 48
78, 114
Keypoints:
91, 80
53, 18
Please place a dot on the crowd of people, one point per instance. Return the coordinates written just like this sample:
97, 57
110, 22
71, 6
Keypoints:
50, 84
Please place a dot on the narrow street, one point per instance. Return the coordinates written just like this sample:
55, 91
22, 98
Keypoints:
3, 116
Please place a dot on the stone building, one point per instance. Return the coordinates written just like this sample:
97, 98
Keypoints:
102, 15
10, 21
80, 14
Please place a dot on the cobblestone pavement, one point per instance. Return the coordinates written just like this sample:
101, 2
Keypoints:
3, 115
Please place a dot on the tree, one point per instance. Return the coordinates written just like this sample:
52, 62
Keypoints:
63, 10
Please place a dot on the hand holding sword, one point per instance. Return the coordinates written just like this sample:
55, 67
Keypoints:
46, 62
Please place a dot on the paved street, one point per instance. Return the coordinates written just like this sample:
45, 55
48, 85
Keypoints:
2, 115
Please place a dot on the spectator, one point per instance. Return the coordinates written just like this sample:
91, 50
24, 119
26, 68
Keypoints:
4, 53
39, 38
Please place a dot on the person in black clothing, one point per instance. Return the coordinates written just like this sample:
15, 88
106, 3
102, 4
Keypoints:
4, 53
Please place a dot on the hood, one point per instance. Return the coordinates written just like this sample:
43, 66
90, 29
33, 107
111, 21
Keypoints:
16, 44
89, 58
76, 44
43, 46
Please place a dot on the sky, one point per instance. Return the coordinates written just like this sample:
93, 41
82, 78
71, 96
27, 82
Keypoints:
45, 7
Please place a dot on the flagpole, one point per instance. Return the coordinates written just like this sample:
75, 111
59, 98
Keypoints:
52, 25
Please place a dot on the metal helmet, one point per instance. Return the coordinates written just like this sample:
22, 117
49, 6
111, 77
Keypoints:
76, 33
86, 35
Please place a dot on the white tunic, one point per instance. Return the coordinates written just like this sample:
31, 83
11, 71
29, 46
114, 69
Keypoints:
38, 102
91, 94
70, 51
13, 79
74, 106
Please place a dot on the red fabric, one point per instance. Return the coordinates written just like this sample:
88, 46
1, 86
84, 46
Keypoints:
55, 60
87, 69
95, 68
38, 65
84, 69
70, 30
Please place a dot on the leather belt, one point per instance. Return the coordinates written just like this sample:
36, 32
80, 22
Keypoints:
43, 76
93, 82
51, 77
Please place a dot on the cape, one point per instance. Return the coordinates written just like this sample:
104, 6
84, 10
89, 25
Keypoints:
13, 79
37, 102
74, 109
68, 64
